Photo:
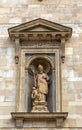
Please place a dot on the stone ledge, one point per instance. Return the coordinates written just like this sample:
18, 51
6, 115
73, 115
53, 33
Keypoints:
57, 117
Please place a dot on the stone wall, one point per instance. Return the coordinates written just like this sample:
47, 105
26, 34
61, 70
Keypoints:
66, 12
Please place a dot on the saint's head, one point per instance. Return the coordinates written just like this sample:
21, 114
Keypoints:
40, 68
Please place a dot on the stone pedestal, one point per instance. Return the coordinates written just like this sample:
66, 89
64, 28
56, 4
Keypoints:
40, 107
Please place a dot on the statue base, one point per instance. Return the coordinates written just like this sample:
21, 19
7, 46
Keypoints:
39, 106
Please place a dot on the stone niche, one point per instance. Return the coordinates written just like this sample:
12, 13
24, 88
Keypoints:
39, 43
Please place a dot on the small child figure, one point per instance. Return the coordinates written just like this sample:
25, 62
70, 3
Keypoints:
34, 94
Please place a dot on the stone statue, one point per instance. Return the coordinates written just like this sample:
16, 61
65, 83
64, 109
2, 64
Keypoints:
42, 84
40, 91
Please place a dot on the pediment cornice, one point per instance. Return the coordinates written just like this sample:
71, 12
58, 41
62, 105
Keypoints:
40, 29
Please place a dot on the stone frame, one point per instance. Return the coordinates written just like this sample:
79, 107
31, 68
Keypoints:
20, 101
40, 31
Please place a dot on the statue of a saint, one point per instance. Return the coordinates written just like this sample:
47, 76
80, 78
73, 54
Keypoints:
40, 91
42, 84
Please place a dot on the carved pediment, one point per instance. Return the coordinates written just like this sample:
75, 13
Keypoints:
40, 29
40, 32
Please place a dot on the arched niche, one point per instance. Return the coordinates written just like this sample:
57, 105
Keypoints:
49, 67
39, 38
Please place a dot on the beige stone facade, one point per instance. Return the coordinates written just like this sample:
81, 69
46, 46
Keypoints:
65, 12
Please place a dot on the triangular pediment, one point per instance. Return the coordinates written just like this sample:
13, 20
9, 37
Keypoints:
39, 25
40, 33
39, 28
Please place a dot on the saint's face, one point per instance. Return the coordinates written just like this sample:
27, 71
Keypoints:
40, 68
40, 71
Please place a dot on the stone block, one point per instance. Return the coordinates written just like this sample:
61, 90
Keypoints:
6, 123
69, 51
6, 104
10, 98
3, 62
4, 11
2, 98
6, 110
15, 20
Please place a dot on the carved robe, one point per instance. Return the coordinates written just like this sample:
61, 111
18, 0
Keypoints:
42, 79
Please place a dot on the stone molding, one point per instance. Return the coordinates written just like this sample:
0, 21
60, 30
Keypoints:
40, 30
23, 67
21, 117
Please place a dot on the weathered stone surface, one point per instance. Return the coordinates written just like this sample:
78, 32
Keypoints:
66, 12
22, 11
